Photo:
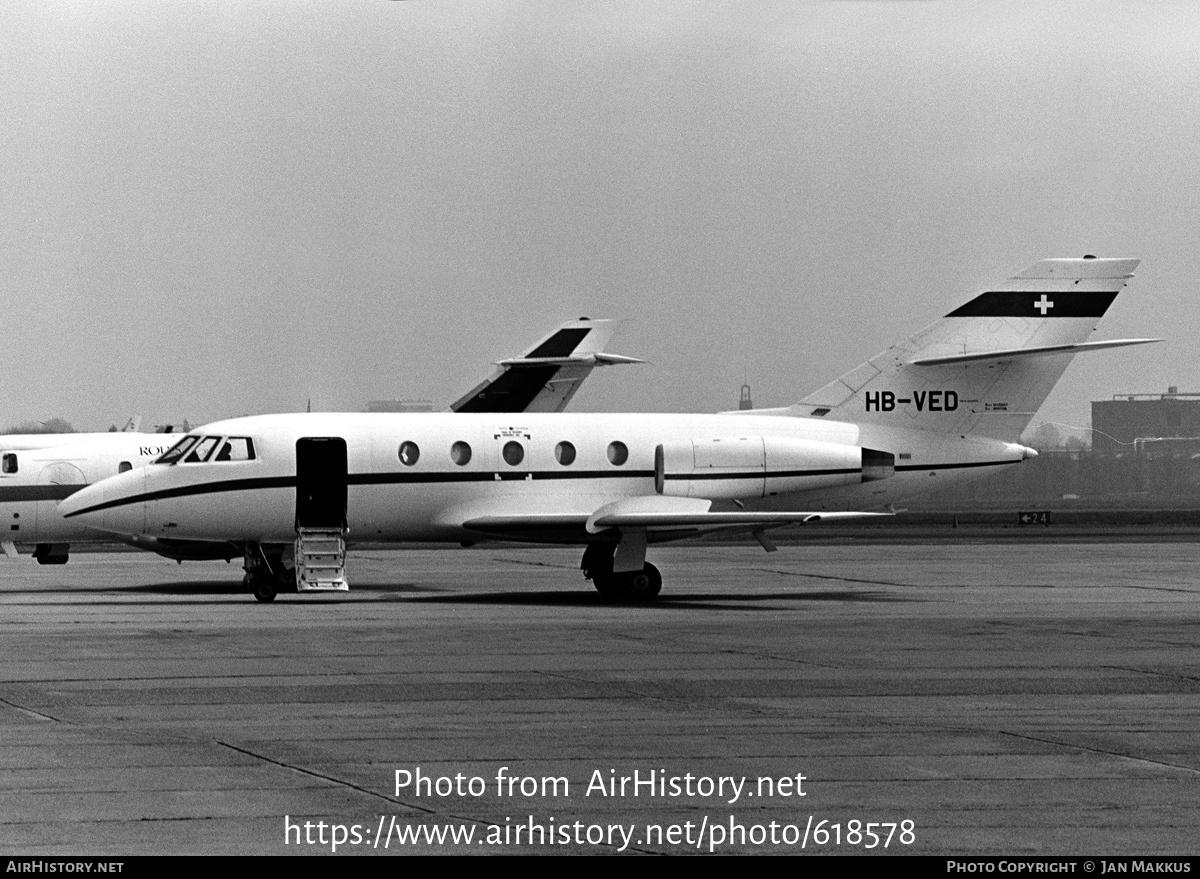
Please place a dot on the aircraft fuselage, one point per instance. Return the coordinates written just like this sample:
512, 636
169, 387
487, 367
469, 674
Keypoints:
424, 477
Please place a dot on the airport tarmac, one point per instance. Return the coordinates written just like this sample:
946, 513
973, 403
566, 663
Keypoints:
1003, 698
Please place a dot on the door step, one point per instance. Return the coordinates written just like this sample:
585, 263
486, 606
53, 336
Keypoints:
321, 560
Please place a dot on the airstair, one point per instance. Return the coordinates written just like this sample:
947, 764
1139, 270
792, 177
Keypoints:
321, 560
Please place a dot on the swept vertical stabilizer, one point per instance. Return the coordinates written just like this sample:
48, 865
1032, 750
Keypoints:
987, 366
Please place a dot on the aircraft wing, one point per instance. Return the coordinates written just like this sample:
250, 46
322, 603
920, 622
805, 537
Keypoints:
651, 514
545, 377
658, 512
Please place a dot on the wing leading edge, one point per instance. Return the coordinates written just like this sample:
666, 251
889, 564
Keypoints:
651, 514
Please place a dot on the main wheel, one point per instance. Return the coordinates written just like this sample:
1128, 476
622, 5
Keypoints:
598, 561
264, 590
644, 585
608, 585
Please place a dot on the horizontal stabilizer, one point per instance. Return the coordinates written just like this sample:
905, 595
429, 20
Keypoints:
1042, 351
597, 359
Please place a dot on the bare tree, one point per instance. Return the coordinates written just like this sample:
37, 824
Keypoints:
52, 425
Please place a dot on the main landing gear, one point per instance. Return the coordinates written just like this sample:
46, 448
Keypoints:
267, 573
597, 565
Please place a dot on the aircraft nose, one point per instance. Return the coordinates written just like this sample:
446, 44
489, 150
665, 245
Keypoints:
114, 504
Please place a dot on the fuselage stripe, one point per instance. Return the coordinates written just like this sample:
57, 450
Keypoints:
487, 476
18, 493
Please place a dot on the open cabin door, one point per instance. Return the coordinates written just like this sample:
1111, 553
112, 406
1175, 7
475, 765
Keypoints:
321, 500
320, 482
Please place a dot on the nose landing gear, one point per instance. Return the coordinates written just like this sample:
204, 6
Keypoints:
267, 572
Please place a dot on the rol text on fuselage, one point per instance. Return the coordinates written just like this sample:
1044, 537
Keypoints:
947, 403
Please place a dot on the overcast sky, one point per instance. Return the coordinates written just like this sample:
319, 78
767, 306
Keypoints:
214, 209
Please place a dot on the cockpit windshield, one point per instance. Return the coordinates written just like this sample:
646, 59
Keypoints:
171, 455
217, 449
200, 452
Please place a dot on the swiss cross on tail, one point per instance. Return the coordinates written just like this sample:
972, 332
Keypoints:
1027, 303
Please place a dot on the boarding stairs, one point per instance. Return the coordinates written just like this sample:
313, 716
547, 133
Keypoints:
321, 560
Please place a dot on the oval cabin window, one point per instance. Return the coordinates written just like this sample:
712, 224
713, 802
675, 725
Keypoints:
564, 453
514, 453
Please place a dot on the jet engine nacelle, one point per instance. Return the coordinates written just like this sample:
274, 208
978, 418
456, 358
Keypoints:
755, 466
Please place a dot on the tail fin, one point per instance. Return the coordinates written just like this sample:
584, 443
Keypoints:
545, 377
987, 366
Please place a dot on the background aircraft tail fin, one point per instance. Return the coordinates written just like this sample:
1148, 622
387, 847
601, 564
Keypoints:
547, 375
987, 366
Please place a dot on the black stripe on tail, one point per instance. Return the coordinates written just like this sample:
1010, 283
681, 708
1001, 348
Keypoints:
1015, 303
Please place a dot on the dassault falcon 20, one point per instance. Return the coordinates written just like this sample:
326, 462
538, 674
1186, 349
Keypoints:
949, 402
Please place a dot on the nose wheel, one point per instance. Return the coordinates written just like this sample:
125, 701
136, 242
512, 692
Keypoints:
267, 572
264, 590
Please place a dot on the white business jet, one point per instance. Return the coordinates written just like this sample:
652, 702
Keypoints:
39, 470
945, 404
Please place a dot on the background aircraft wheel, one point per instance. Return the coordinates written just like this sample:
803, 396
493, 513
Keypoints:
645, 584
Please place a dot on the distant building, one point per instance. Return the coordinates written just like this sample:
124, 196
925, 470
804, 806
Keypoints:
745, 402
1167, 424
400, 406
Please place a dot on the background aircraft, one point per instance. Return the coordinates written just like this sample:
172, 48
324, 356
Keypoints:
944, 404
34, 479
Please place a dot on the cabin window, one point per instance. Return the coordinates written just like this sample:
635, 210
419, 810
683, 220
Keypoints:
202, 450
514, 453
618, 453
236, 448
564, 453
10, 463
173, 454
460, 453
124, 466
410, 453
